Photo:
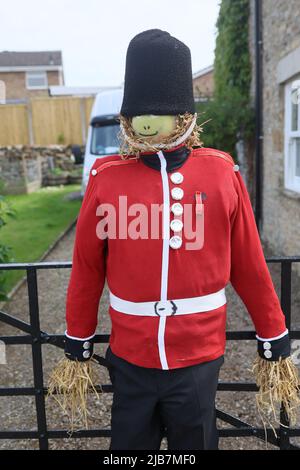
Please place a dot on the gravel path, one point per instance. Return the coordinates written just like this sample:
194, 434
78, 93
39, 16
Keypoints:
19, 412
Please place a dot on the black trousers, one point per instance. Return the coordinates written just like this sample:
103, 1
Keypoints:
149, 403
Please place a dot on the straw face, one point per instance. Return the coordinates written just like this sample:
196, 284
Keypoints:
132, 144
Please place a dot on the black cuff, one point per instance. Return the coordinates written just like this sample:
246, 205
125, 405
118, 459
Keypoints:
272, 350
80, 350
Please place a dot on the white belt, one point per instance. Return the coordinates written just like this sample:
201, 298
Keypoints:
167, 308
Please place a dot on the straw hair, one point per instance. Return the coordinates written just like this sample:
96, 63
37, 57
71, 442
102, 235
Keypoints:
278, 384
70, 384
130, 143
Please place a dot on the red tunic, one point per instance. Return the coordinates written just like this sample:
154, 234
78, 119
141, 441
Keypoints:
147, 269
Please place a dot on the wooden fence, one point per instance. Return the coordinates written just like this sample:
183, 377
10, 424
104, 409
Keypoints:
45, 121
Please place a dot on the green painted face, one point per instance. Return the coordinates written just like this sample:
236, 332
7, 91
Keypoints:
153, 128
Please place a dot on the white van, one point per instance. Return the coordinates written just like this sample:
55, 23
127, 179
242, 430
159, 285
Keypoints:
103, 130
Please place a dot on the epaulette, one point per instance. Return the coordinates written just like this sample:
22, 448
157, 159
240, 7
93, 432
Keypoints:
112, 160
216, 153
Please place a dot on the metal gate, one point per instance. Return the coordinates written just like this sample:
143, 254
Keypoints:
36, 338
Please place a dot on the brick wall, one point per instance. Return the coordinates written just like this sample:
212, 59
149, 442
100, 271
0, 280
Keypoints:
204, 85
15, 83
281, 209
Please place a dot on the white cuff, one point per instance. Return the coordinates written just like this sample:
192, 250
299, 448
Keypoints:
275, 337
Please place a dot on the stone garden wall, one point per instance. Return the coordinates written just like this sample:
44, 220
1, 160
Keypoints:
24, 169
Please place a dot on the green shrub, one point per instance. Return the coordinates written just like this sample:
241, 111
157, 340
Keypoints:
6, 211
61, 139
230, 111
227, 120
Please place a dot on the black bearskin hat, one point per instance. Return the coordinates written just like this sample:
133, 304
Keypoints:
158, 76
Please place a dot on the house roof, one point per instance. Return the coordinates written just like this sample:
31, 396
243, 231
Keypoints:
61, 90
30, 59
202, 72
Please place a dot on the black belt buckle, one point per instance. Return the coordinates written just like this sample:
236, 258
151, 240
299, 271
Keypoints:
168, 307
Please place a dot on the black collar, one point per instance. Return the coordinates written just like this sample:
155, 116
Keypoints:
175, 159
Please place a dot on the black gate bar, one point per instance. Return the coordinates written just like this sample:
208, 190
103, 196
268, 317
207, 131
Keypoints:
36, 338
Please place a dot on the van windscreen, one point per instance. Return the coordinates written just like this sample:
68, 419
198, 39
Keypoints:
105, 138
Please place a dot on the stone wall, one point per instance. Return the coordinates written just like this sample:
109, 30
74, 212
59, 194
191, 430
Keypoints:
24, 169
281, 208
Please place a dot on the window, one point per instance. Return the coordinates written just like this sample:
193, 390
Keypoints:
36, 80
105, 139
292, 136
2, 92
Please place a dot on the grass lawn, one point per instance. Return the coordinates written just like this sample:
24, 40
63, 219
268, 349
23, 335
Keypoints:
40, 218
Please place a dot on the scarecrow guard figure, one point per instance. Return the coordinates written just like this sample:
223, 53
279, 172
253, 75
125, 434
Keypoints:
167, 279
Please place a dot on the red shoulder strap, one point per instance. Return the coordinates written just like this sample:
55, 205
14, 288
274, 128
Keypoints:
214, 153
114, 160
116, 163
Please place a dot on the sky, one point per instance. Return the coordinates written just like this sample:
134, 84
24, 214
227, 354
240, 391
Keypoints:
93, 35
